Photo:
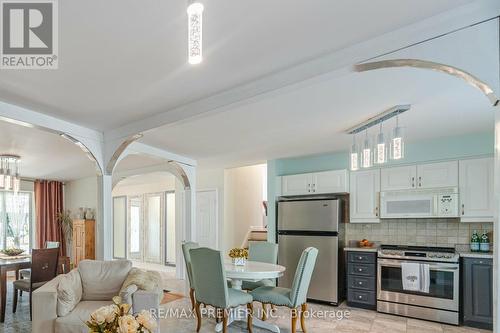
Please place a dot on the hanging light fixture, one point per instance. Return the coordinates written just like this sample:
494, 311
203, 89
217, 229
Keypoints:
195, 29
2, 176
354, 154
380, 148
9, 173
397, 142
366, 154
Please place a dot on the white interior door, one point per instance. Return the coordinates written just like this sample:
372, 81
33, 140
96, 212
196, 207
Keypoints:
206, 218
170, 257
135, 227
120, 227
153, 228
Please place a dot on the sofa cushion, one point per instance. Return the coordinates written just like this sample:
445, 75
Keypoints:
74, 322
102, 280
144, 280
69, 292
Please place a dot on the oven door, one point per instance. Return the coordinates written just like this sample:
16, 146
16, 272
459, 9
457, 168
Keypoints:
443, 289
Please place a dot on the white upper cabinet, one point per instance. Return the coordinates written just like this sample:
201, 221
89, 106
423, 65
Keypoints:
476, 190
296, 184
364, 196
398, 178
432, 175
315, 183
330, 182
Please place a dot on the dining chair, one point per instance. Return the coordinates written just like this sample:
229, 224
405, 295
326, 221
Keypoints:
261, 252
296, 296
44, 264
25, 273
186, 247
209, 277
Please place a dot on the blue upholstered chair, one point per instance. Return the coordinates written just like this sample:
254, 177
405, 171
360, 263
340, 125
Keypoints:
186, 247
209, 278
262, 252
296, 296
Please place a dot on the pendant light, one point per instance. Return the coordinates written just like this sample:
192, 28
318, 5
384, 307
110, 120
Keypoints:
195, 29
354, 157
366, 154
380, 148
2, 176
397, 142
16, 181
8, 178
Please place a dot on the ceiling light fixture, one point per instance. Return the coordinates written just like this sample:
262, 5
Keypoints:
367, 155
195, 31
8, 178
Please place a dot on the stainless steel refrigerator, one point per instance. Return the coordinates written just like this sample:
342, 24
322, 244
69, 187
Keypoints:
316, 222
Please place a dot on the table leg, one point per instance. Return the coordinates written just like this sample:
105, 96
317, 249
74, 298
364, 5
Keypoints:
3, 293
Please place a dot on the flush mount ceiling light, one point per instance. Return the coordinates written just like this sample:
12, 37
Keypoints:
378, 153
195, 31
9, 172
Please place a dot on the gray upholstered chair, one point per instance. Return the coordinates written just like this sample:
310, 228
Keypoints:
262, 252
296, 296
209, 277
186, 247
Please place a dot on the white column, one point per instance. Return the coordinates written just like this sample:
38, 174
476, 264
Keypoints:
104, 232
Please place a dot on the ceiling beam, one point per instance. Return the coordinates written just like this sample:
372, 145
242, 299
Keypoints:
337, 61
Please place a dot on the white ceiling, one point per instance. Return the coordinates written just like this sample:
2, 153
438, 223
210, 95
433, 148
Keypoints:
122, 60
44, 155
313, 119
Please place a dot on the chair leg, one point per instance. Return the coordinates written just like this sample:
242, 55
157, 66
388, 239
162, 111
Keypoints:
191, 296
225, 316
249, 317
264, 312
294, 320
303, 311
198, 316
31, 305
14, 301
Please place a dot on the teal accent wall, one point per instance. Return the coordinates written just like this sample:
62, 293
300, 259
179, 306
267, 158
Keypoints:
456, 147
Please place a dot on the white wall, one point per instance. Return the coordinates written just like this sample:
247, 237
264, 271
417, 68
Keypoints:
80, 193
243, 203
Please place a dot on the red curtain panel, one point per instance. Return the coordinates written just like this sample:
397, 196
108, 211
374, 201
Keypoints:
48, 204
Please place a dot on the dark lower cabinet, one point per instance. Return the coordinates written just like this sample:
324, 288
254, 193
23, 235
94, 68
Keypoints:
477, 292
361, 279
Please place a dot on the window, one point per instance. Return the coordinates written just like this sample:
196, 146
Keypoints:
15, 220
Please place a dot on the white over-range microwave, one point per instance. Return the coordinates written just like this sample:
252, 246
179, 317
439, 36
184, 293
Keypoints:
424, 203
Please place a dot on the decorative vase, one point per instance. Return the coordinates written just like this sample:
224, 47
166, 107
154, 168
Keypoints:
89, 214
239, 261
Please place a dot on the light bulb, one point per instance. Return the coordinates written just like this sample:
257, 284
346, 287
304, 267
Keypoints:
397, 144
16, 184
195, 35
380, 148
8, 181
366, 153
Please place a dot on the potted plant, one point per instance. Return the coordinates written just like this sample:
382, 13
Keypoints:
239, 256
64, 219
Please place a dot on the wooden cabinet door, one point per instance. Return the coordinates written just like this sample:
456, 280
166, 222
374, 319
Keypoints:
476, 190
330, 182
78, 242
432, 175
297, 184
398, 178
364, 196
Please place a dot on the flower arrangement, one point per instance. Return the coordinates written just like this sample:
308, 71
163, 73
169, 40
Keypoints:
239, 256
115, 318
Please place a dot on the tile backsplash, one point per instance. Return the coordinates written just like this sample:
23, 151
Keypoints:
427, 232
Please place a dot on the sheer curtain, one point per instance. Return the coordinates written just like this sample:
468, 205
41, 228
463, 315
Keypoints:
15, 220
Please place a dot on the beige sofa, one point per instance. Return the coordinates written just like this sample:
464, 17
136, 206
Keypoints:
100, 282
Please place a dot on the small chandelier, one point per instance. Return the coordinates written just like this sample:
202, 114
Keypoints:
195, 31
9, 173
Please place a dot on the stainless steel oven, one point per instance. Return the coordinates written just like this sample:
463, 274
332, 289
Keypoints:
441, 303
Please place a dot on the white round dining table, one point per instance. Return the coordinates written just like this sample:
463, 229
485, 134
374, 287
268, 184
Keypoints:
252, 271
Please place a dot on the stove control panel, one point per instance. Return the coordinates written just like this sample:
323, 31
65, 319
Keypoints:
417, 255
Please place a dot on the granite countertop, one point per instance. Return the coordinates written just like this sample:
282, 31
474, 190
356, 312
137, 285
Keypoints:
464, 251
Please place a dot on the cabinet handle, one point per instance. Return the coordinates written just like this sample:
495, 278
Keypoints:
360, 297
412, 181
360, 269
463, 209
420, 181
314, 187
360, 283
360, 258
309, 188
376, 211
